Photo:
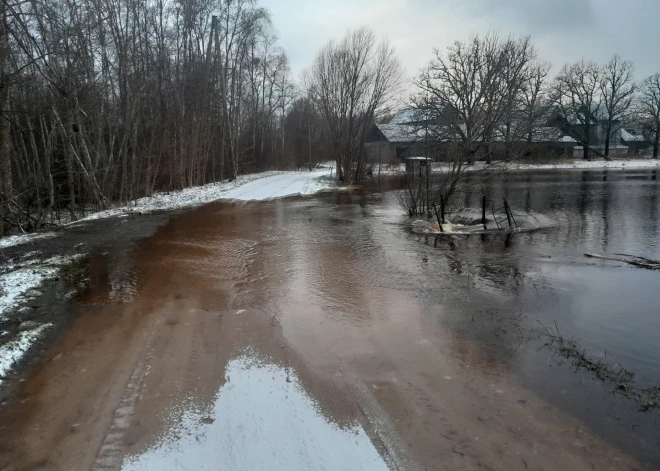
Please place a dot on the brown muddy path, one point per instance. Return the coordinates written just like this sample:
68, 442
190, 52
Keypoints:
313, 287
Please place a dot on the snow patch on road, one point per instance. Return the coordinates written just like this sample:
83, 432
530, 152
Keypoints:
251, 187
280, 186
14, 350
256, 186
262, 418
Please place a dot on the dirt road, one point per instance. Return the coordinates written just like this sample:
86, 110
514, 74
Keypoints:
277, 335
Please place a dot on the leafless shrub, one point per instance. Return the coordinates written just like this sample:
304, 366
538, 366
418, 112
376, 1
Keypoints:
353, 83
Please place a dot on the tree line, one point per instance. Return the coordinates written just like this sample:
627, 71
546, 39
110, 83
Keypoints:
487, 96
105, 101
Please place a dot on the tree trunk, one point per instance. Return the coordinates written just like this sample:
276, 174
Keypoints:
5, 144
587, 141
5, 156
656, 142
70, 181
608, 136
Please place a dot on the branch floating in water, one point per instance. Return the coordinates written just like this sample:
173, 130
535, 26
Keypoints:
640, 262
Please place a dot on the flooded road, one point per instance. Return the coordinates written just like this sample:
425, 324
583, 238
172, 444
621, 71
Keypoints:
322, 333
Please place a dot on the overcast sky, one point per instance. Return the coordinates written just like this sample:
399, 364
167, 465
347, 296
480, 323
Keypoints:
563, 30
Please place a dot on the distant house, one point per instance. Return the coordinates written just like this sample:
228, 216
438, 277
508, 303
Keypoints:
634, 140
405, 136
625, 139
389, 142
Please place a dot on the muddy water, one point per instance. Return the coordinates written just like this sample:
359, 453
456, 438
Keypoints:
321, 333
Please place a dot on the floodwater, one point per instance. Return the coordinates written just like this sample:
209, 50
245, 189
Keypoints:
321, 333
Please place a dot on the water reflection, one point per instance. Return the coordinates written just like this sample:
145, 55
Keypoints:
261, 418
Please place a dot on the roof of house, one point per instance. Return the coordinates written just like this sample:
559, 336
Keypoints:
630, 135
403, 117
411, 115
400, 132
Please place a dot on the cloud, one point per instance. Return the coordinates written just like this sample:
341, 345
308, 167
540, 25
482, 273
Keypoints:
563, 30
538, 16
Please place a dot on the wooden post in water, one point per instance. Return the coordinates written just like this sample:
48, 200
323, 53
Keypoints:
442, 208
435, 208
507, 210
483, 212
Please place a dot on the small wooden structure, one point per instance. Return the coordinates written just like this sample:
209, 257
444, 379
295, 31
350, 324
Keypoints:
415, 165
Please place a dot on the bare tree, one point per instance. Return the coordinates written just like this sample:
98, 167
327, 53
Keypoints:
352, 84
462, 93
617, 89
470, 99
518, 58
577, 91
106, 101
535, 103
649, 110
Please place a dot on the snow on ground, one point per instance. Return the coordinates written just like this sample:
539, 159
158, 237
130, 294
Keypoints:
279, 186
621, 164
23, 239
16, 283
17, 286
256, 186
15, 349
262, 418
593, 164
251, 187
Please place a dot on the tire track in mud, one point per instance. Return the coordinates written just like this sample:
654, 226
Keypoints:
110, 452
237, 256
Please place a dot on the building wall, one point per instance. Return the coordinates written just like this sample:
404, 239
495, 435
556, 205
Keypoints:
378, 152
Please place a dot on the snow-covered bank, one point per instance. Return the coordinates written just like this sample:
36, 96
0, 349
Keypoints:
15, 349
640, 164
24, 239
252, 187
18, 283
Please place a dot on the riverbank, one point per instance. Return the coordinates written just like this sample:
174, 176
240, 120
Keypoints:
515, 166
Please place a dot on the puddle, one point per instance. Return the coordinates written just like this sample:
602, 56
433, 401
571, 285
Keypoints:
261, 418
